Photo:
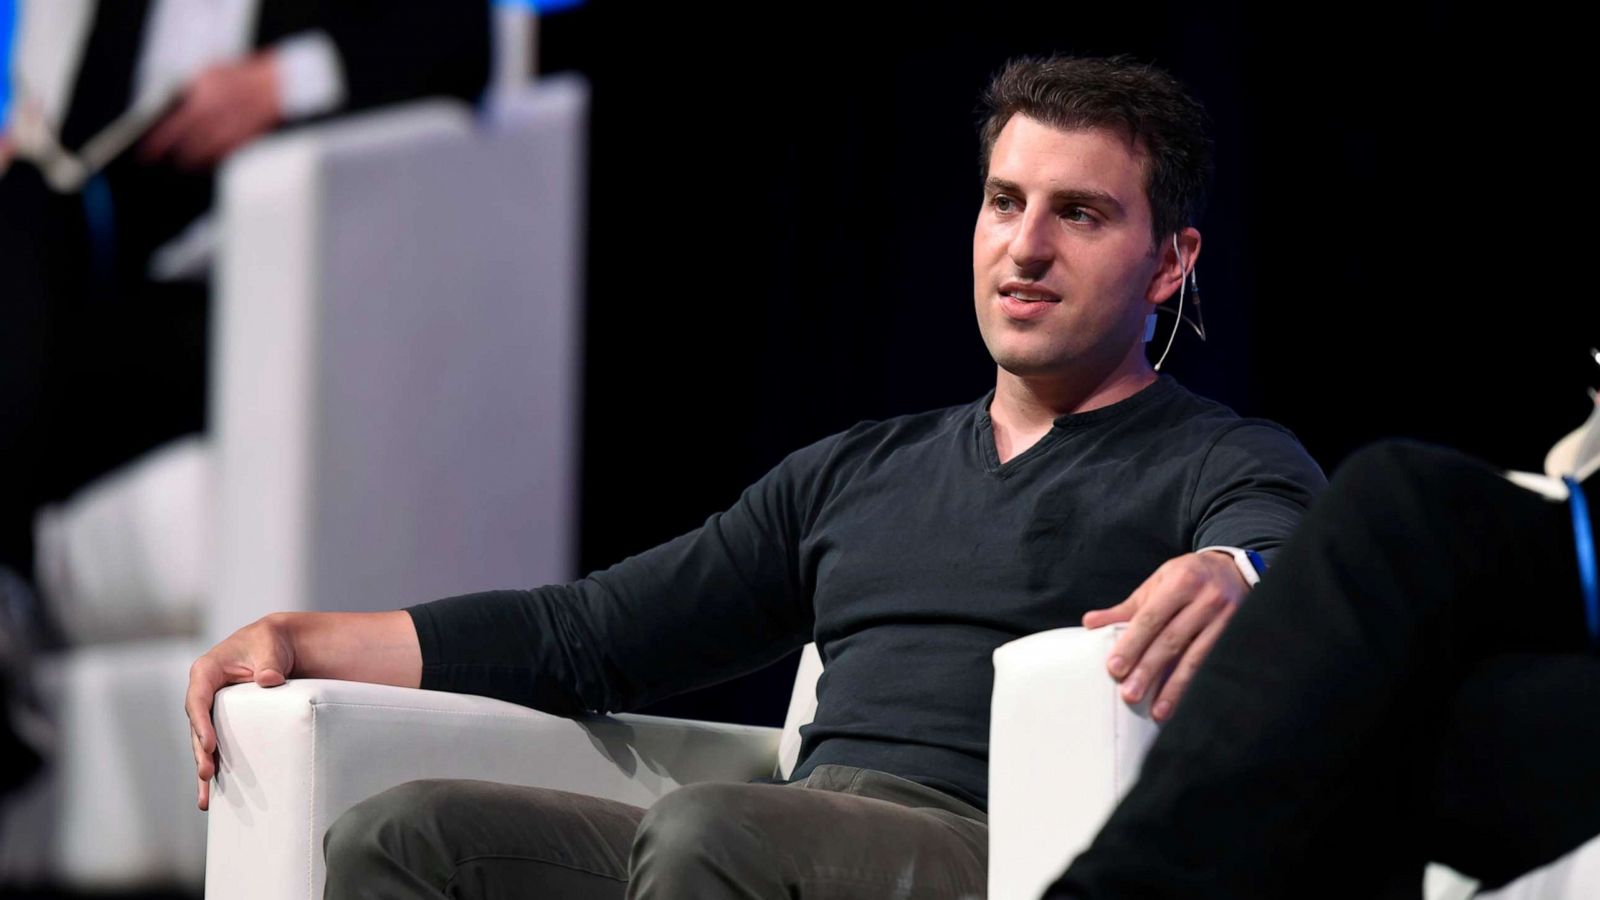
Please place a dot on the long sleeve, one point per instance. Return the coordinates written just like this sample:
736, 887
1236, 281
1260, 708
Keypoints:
712, 604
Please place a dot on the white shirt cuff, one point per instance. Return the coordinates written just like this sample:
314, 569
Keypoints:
310, 75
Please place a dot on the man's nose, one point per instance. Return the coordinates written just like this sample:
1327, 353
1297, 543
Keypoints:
1031, 245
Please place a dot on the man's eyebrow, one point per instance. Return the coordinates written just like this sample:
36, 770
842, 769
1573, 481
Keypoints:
1071, 197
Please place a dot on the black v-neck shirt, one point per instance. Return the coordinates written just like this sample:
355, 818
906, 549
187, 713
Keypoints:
908, 553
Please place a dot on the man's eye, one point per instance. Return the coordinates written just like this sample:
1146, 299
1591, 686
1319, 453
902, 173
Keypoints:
1077, 214
1002, 203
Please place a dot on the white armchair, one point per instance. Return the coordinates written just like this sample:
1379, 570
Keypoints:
295, 757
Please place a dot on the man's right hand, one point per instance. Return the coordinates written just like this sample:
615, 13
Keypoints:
262, 652
220, 110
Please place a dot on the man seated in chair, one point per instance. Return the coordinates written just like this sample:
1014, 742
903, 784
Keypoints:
1084, 487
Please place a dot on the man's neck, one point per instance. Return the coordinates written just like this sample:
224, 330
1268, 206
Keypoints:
1025, 407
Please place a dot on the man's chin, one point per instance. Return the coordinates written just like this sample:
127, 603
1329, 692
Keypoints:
1023, 366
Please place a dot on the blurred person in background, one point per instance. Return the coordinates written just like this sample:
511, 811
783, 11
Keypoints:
102, 358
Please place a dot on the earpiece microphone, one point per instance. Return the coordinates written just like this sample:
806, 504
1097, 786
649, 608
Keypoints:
1150, 323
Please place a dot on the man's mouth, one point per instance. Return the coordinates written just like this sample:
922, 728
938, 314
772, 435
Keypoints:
1026, 293
1022, 302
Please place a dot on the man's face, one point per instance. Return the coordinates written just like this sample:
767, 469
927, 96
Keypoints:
1063, 262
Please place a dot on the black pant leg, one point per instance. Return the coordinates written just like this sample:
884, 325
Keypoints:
1517, 785
97, 364
43, 271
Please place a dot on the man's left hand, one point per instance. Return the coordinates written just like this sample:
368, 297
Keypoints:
1174, 619
221, 110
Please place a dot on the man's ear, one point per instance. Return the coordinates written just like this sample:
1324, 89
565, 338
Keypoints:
1178, 254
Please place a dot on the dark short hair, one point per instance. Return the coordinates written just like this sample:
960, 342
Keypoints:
1143, 102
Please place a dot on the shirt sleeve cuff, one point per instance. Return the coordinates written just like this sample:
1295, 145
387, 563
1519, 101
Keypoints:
427, 642
310, 75
1250, 563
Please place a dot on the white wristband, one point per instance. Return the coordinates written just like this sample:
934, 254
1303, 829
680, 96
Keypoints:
1241, 558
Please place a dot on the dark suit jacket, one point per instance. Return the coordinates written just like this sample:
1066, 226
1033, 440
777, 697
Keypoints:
390, 51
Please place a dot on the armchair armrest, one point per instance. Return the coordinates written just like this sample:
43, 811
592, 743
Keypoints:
1063, 748
293, 758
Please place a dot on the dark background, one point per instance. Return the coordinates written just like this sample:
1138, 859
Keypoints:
1399, 241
